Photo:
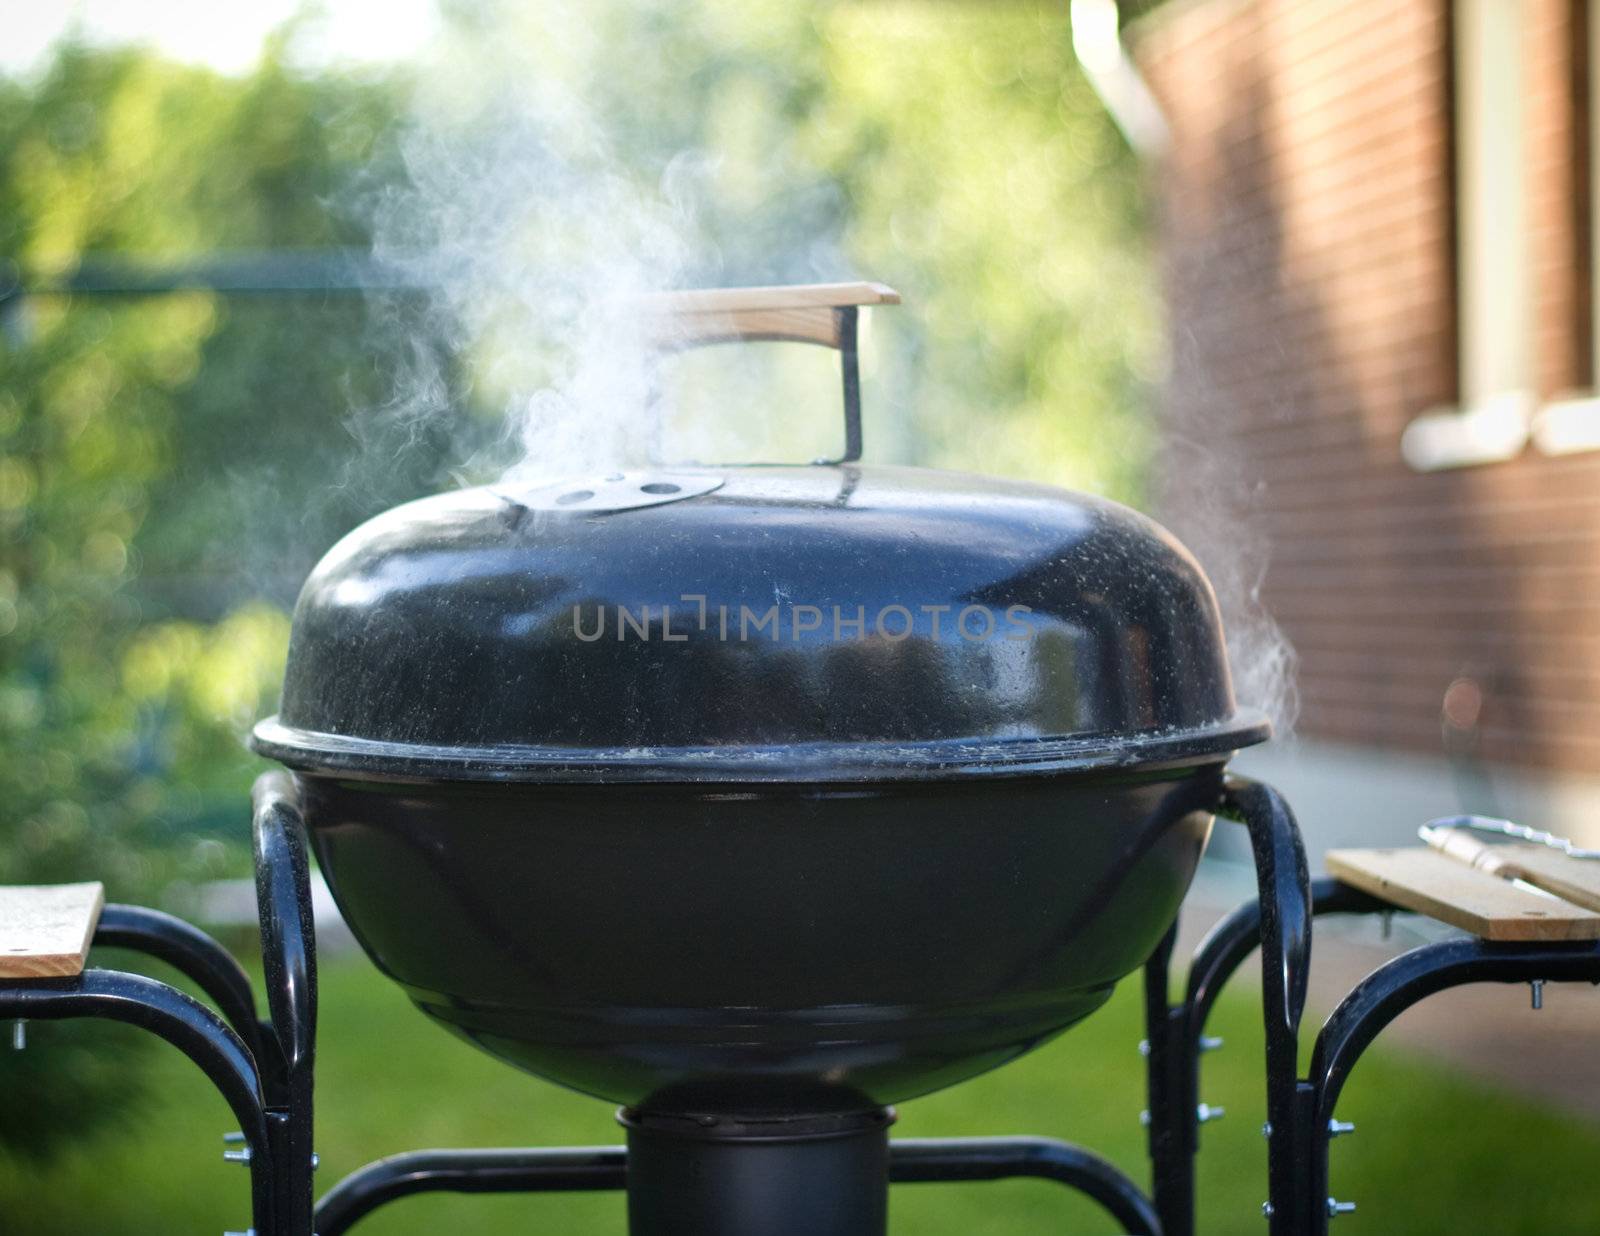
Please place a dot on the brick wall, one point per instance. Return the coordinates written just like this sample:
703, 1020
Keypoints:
1307, 237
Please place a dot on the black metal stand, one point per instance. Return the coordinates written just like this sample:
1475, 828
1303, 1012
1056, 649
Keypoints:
1280, 922
263, 1068
1300, 1122
583, 1169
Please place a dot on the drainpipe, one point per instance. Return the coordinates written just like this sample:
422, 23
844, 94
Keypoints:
1097, 40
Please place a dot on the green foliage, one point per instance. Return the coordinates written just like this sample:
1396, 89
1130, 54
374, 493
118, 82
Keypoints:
136, 442
121, 425
987, 183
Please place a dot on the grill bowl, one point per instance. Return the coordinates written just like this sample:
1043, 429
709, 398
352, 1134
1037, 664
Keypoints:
762, 948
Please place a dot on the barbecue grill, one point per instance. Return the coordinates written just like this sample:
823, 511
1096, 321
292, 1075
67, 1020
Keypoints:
756, 799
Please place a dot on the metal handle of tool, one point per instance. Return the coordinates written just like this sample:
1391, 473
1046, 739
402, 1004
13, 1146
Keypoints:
1442, 835
819, 313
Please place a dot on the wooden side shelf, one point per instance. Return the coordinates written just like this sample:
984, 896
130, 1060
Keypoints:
1488, 905
45, 929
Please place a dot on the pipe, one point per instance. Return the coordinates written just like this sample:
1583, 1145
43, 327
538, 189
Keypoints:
1097, 42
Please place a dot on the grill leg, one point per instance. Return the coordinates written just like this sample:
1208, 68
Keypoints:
288, 954
189, 1026
1281, 921
1284, 883
1171, 1110
1393, 988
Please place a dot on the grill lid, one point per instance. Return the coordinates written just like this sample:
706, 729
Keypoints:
839, 622
831, 622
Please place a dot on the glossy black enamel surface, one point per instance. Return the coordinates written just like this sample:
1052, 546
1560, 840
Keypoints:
761, 948
815, 623
792, 790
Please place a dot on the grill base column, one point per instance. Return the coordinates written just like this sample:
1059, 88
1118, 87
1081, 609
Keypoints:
704, 1175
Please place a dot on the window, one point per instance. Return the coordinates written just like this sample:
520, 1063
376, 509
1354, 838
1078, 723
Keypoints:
1572, 424
1493, 264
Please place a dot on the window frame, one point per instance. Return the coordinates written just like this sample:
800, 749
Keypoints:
1571, 424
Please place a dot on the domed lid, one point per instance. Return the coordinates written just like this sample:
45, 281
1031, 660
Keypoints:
821, 622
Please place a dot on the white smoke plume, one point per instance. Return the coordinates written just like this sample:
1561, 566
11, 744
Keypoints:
550, 179
1211, 506
517, 213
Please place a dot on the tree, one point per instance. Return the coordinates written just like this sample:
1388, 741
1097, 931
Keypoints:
141, 605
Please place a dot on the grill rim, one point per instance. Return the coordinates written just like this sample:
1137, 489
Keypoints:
814, 762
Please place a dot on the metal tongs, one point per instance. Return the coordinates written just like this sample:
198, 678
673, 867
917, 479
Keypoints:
1530, 871
1434, 833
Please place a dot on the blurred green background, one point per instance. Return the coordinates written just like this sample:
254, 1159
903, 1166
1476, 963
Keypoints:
171, 467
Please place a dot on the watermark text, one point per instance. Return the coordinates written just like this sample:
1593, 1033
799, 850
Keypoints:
794, 623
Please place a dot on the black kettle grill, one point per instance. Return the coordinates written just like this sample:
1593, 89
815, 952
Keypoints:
756, 799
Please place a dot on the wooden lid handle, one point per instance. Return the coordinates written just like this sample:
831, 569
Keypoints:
824, 313
801, 313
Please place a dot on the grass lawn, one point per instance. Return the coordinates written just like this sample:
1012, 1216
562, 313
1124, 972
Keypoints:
1433, 1153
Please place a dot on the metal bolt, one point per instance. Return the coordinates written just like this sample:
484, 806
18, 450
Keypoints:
249, 1232
1387, 919
1206, 1113
1337, 1128
236, 1156
1207, 1043
316, 1161
1144, 1119
233, 1139
1266, 1130
1337, 1208
1538, 993
1266, 1210
1144, 1047
19, 1034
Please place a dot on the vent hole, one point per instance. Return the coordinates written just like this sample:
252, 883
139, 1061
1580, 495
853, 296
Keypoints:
660, 487
577, 495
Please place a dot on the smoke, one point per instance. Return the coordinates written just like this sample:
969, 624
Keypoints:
540, 198
519, 215
1263, 661
1213, 508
